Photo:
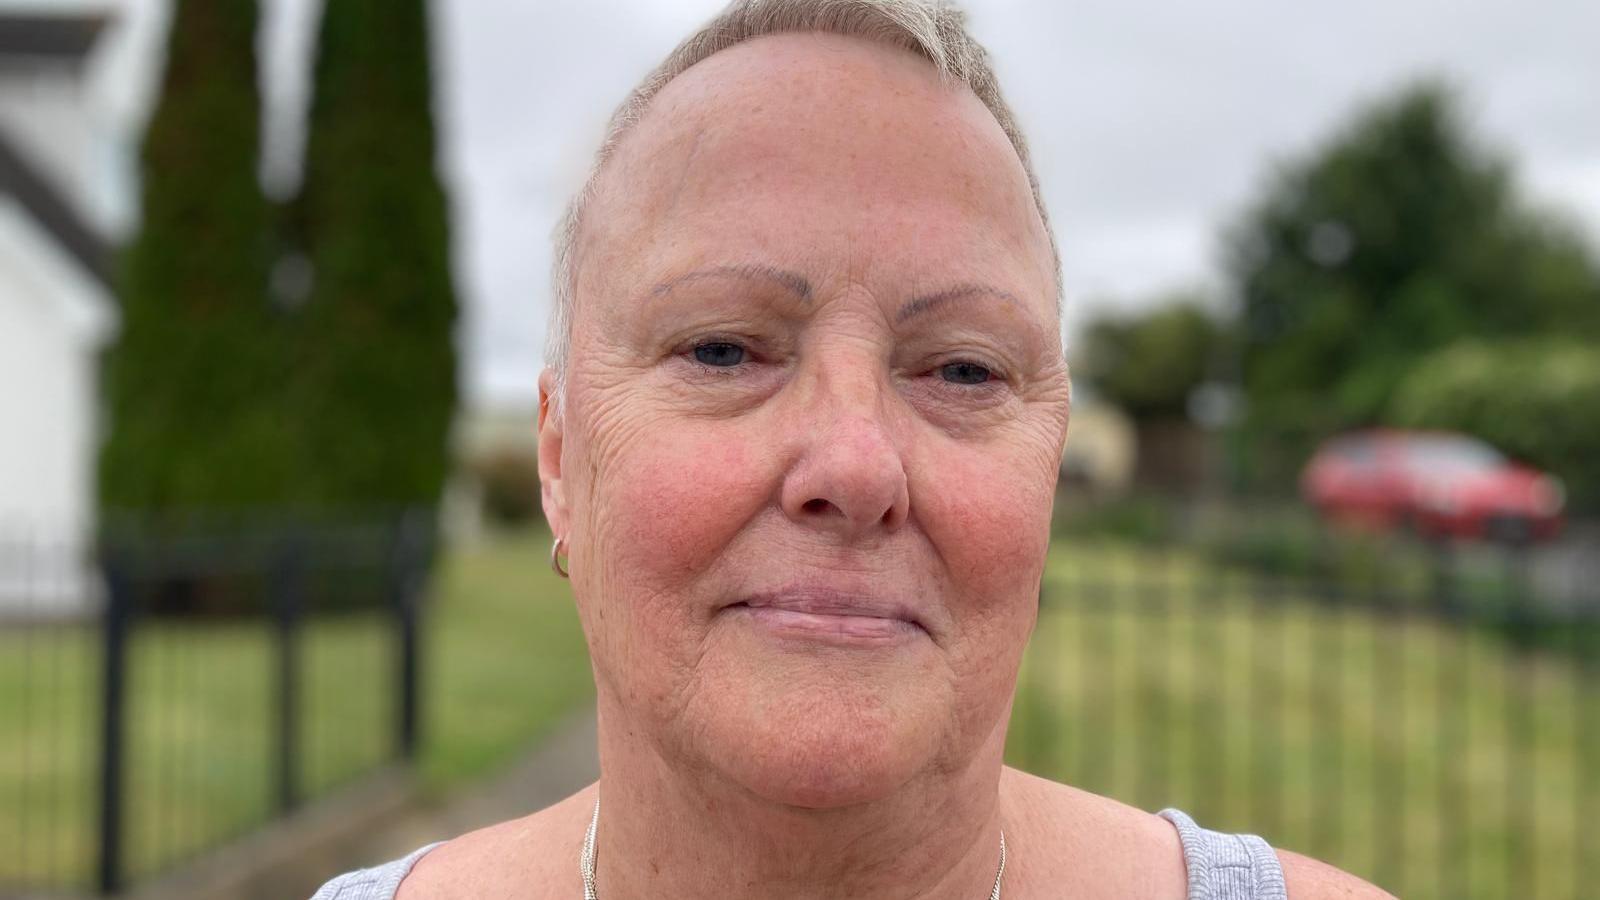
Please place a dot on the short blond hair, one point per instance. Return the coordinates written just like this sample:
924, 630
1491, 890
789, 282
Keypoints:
933, 29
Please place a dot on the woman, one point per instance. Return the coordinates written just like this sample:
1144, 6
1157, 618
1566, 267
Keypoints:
799, 440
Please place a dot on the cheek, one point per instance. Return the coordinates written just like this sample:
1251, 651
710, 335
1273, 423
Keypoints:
989, 520
674, 497
989, 524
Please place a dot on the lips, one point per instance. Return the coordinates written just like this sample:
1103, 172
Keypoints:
821, 613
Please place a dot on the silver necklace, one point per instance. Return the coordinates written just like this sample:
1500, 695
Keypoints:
586, 858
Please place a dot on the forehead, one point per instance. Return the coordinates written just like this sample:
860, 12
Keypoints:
826, 154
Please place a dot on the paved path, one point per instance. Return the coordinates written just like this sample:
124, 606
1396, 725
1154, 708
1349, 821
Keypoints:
379, 821
562, 764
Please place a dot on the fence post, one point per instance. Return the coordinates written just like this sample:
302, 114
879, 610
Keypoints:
407, 565
114, 635
1442, 561
286, 590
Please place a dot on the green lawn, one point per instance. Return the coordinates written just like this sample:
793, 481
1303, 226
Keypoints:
1436, 761
199, 736
504, 660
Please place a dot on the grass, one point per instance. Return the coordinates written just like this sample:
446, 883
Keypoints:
199, 729
1433, 760
503, 661
507, 660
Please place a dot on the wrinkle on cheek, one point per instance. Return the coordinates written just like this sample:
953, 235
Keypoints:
668, 493
607, 418
670, 498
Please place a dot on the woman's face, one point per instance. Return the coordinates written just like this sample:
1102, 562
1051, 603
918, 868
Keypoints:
814, 410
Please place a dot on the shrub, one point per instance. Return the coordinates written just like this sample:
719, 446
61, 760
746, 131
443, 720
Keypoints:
510, 483
1537, 400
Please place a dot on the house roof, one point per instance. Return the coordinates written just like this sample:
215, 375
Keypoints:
19, 179
63, 37
67, 37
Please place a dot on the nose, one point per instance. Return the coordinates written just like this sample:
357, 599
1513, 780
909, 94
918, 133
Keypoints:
850, 478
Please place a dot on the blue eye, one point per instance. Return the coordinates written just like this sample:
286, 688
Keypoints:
964, 373
719, 354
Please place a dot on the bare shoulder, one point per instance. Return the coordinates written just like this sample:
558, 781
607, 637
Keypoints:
1102, 848
532, 857
1067, 841
1310, 879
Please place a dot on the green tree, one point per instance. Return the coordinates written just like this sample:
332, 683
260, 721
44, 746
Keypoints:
1399, 236
376, 361
194, 387
1150, 363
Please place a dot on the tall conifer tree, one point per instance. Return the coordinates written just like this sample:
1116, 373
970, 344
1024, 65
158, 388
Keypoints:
193, 386
377, 354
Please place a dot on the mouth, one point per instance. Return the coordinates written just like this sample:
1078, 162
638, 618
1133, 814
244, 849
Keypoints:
830, 616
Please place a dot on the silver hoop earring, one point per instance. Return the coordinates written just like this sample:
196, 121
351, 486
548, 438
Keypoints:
555, 557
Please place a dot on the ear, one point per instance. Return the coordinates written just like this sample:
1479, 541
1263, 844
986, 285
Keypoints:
552, 430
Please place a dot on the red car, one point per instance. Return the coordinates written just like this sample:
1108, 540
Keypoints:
1435, 483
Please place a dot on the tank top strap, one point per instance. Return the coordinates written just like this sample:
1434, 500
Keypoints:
377, 883
1227, 866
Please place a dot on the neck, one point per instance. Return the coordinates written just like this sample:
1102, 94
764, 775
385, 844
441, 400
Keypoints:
669, 833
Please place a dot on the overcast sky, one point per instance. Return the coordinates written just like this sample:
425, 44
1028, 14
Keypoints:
1152, 123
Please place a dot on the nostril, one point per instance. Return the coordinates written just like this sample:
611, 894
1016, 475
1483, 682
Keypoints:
816, 505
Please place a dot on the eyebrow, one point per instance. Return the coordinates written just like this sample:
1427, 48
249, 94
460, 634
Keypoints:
794, 283
929, 302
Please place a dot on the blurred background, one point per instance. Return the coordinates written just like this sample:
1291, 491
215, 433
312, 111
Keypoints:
274, 600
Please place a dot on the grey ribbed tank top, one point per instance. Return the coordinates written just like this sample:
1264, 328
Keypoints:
1220, 866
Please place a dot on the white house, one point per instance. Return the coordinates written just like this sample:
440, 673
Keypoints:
57, 309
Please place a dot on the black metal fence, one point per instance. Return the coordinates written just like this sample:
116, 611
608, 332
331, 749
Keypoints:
182, 684
1424, 715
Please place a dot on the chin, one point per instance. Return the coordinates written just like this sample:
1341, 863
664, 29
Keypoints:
824, 742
